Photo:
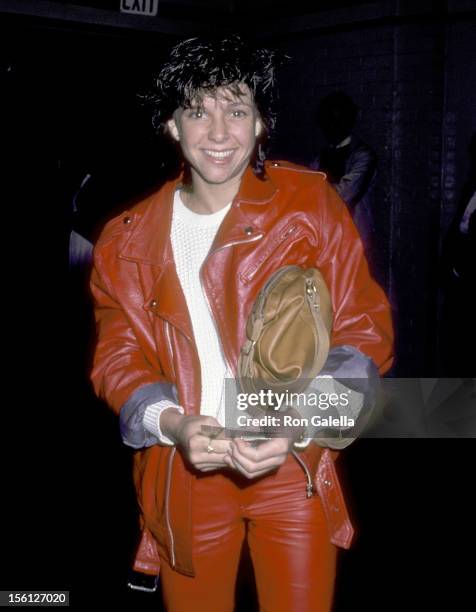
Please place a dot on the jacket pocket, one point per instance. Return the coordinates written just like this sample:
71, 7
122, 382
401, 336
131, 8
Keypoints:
283, 238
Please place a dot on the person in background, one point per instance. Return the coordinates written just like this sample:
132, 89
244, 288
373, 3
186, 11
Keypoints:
349, 163
458, 276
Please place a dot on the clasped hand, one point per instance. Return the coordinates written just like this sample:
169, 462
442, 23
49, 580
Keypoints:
207, 453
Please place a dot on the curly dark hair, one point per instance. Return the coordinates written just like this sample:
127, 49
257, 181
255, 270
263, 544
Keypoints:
199, 66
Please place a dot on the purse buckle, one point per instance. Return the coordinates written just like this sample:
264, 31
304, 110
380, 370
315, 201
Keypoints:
247, 346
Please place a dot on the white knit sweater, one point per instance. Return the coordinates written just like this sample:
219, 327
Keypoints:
192, 235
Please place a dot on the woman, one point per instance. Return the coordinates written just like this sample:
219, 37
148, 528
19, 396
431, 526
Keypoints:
174, 281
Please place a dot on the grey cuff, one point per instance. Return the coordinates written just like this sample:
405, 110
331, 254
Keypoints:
347, 362
131, 416
356, 371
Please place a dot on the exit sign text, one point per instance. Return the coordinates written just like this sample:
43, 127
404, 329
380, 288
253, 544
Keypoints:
140, 7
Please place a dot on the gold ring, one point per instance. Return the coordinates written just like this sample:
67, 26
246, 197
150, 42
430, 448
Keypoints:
210, 448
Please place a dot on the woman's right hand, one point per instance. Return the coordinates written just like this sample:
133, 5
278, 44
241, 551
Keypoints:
203, 451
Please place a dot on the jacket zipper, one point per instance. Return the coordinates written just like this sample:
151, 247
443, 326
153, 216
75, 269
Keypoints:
169, 346
167, 497
311, 296
172, 453
282, 238
309, 485
229, 244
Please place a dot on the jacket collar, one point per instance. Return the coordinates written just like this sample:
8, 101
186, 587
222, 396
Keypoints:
149, 238
254, 190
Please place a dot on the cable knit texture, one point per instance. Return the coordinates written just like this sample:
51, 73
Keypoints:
192, 235
151, 420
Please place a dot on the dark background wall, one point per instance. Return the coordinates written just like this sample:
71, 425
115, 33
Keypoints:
69, 79
415, 83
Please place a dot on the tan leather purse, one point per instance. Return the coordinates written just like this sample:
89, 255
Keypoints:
287, 332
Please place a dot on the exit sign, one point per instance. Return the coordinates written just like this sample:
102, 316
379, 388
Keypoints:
140, 7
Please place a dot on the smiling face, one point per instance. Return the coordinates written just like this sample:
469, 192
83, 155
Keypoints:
217, 135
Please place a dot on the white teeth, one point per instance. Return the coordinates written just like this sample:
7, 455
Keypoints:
219, 154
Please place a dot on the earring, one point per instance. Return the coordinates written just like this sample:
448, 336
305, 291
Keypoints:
261, 153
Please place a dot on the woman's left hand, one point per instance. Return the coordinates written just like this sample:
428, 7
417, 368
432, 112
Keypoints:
254, 461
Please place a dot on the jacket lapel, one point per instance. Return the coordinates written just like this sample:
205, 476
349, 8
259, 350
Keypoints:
240, 224
150, 247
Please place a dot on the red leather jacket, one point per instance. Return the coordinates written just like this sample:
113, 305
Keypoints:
145, 335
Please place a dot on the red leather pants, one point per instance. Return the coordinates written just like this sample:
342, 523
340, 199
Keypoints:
293, 559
